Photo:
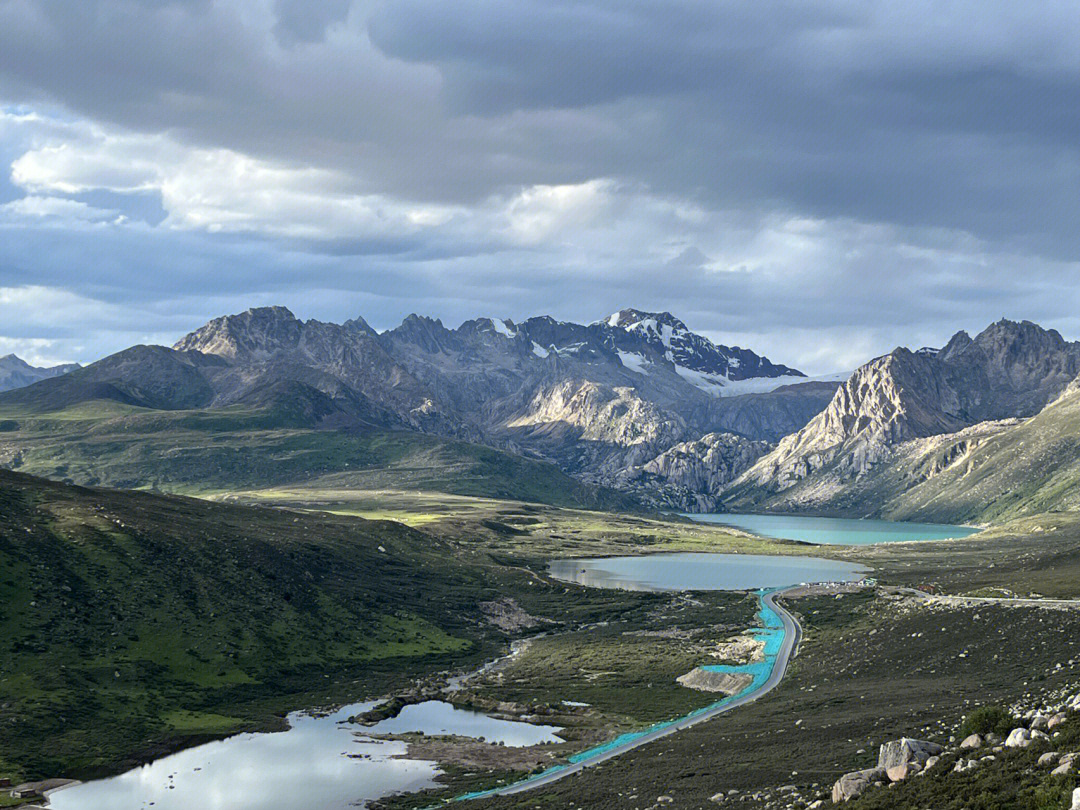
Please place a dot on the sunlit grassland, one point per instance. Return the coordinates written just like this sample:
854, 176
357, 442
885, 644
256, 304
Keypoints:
530, 532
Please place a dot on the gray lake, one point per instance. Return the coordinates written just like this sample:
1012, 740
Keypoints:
320, 763
834, 531
703, 572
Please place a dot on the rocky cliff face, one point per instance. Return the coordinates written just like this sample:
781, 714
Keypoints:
1008, 370
691, 475
17, 373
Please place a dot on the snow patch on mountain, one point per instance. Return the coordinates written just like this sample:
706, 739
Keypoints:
709, 383
763, 385
634, 362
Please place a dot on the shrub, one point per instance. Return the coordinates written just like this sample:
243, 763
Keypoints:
986, 719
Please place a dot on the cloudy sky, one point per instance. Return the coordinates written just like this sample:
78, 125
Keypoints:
818, 180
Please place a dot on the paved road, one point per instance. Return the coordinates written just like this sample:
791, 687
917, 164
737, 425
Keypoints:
792, 636
989, 600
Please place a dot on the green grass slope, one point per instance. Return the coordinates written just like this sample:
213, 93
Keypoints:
114, 444
133, 623
1029, 468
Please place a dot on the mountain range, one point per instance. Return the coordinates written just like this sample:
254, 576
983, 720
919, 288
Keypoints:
984, 428
602, 401
17, 373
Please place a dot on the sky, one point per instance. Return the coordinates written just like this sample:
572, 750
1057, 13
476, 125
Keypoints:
819, 180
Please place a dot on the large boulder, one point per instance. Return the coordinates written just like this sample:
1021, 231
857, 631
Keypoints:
1076, 799
905, 750
1018, 738
898, 773
971, 742
1049, 758
853, 784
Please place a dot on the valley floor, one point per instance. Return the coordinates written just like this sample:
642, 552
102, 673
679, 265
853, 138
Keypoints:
875, 664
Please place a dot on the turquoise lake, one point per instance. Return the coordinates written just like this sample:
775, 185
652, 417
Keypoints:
834, 531
695, 571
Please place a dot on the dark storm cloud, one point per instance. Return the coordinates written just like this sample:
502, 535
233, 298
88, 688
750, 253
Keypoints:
932, 149
957, 114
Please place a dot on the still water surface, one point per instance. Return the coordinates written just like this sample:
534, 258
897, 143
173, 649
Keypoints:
703, 572
318, 764
835, 531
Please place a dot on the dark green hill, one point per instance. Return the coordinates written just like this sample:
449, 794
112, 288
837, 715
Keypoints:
129, 618
108, 443
133, 623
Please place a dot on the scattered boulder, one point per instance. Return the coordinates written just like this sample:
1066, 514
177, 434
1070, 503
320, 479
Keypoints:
853, 784
1062, 769
963, 765
1039, 722
1056, 721
1018, 738
905, 750
972, 742
1049, 758
1076, 799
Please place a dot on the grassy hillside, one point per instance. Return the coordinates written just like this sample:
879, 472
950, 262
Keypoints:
131, 623
112, 444
1029, 468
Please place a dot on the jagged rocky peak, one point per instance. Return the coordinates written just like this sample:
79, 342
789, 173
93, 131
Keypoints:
426, 334
360, 325
1009, 370
253, 335
498, 326
957, 343
653, 322
697, 359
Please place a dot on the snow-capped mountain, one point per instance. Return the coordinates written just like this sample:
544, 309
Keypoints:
597, 399
698, 360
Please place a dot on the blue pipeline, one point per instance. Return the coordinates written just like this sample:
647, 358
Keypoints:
771, 632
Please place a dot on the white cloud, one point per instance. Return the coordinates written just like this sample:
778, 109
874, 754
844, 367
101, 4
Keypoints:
543, 212
218, 190
35, 351
61, 208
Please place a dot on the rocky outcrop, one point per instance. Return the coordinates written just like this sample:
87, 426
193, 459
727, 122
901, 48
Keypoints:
906, 751
897, 760
705, 680
690, 475
854, 784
